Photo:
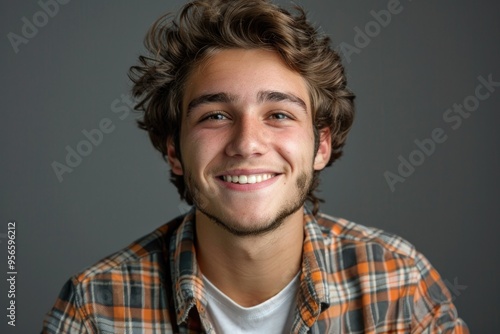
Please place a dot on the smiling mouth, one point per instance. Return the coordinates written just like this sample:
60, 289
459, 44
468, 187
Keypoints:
247, 179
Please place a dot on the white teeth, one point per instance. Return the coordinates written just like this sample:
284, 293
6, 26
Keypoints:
244, 179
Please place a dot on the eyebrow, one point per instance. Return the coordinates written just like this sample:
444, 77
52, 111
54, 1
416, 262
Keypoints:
211, 98
262, 96
274, 96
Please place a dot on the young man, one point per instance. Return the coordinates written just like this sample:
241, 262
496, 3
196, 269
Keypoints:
248, 103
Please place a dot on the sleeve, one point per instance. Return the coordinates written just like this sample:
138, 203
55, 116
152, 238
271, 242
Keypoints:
67, 314
433, 309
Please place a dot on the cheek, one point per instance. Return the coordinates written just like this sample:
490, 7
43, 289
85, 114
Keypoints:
297, 147
199, 150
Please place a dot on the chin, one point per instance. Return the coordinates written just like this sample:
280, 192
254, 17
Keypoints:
253, 221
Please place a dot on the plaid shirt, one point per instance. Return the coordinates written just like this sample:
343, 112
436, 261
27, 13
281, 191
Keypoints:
354, 280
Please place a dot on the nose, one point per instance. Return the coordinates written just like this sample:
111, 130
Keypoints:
248, 138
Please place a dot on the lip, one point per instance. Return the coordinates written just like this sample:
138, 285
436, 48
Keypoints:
247, 172
247, 186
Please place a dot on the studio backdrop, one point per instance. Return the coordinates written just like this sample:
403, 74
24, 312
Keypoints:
79, 180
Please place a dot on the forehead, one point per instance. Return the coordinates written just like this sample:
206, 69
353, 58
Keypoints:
243, 73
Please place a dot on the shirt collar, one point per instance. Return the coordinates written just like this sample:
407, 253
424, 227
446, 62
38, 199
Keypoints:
314, 295
187, 279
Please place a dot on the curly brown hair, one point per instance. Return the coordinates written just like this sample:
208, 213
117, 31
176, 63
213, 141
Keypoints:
176, 45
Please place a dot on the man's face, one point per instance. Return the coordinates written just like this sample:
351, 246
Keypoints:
247, 140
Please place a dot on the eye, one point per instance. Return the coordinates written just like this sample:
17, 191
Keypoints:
214, 116
280, 116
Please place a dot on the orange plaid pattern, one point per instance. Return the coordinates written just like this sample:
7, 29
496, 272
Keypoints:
354, 279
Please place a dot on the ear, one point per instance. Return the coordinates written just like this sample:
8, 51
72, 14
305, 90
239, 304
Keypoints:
173, 159
324, 149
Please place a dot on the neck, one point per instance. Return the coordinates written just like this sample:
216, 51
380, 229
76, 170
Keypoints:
250, 269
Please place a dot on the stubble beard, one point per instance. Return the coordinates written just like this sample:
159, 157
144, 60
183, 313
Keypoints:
303, 186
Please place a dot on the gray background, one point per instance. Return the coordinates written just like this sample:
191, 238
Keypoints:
65, 79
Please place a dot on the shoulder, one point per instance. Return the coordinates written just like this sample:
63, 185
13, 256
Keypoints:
145, 253
344, 234
366, 265
370, 259
105, 297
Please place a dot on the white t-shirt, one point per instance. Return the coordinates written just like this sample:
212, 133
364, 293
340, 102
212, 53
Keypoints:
275, 315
